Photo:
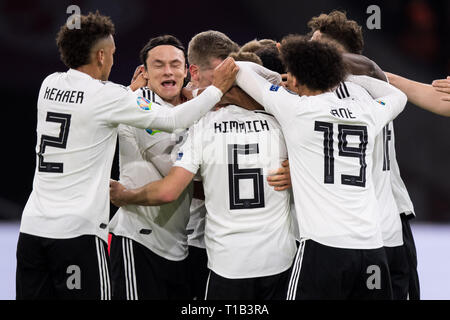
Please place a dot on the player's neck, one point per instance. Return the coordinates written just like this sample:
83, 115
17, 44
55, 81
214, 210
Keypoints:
304, 90
175, 100
91, 70
309, 92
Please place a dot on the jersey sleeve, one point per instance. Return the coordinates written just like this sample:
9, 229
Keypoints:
388, 100
156, 147
190, 154
275, 99
142, 113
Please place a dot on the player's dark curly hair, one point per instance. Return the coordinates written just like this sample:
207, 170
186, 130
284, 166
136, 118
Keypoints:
75, 44
159, 41
338, 27
317, 65
270, 57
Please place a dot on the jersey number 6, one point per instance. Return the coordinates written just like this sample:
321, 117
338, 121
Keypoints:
235, 174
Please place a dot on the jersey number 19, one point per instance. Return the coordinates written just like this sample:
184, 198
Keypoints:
344, 151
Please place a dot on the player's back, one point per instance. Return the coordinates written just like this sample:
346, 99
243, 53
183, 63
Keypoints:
383, 158
330, 149
248, 226
76, 137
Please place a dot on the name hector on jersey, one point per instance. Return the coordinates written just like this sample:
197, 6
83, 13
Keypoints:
67, 96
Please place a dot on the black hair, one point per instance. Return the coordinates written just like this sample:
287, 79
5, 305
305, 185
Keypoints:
317, 65
75, 44
160, 41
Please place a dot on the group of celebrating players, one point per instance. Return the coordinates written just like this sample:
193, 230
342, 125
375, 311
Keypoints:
270, 175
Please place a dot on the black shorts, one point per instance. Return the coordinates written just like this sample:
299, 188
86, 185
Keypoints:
411, 254
137, 273
260, 288
399, 271
76, 268
323, 272
198, 271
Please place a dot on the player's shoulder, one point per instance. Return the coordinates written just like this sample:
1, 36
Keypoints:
113, 87
349, 89
281, 90
55, 76
150, 95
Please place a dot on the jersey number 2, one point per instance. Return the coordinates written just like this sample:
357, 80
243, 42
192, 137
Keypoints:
344, 151
236, 174
56, 142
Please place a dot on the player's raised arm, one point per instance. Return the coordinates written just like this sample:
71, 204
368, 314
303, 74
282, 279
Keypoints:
254, 84
143, 114
422, 95
360, 65
392, 99
153, 194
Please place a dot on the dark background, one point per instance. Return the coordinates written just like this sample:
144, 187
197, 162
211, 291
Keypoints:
413, 42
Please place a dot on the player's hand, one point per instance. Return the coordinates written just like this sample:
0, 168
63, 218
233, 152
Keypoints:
280, 178
116, 190
225, 74
284, 80
139, 70
443, 85
139, 80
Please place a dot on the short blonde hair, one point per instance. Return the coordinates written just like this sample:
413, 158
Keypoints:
208, 45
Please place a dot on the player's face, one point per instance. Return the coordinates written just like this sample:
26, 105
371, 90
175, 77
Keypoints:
206, 73
109, 48
166, 70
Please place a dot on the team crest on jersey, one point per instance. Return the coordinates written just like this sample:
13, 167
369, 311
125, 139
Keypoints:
179, 155
274, 88
381, 102
152, 132
144, 103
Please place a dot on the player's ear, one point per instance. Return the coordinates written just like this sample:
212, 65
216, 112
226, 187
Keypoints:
193, 70
294, 84
144, 71
100, 57
185, 70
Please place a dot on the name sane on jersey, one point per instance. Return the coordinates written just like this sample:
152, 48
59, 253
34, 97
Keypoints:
342, 113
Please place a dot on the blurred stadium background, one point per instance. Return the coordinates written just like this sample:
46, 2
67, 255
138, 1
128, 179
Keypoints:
413, 41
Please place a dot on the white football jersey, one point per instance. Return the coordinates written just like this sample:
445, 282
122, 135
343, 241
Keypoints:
76, 137
145, 156
248, 229
330, 143
196, 224
401, 195
391, 225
